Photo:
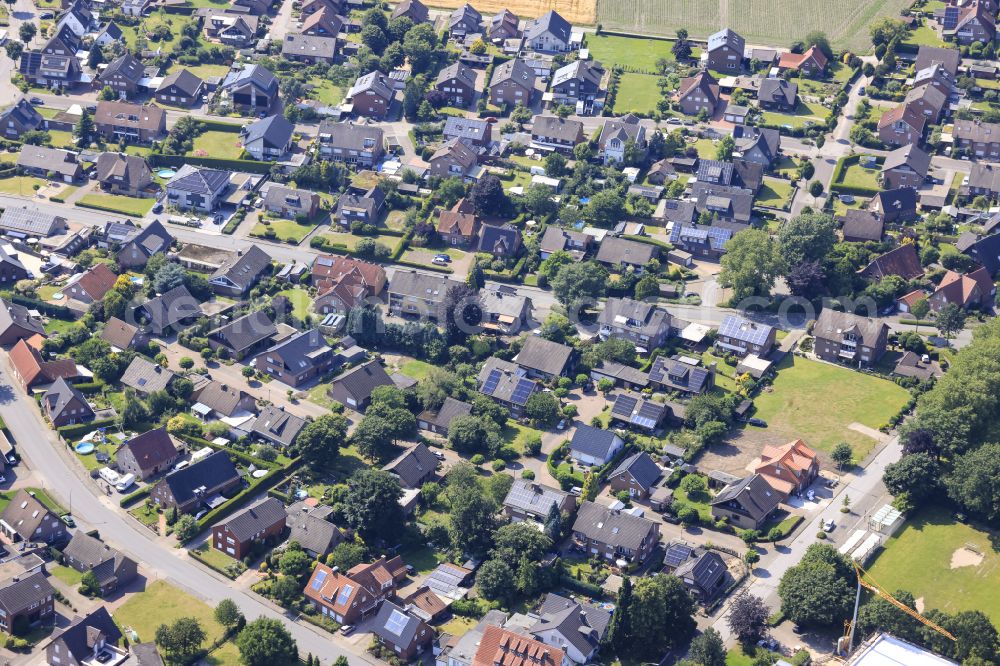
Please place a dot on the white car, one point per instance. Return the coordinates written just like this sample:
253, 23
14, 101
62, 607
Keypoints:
829, 525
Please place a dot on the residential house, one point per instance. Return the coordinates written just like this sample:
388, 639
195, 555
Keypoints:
19, 117
966, 291
503, 26
112, 568
464, 21
528, 500
414, 10
573, 626
841, 336
947, 58
55, 64
138, 245
198, 188
612, 534
239, 273
902, 125
17, 323
322, 23
557, 239
789, 469
504, 310
636, 410
458, 226
412, 293
77, 18
550, 33
895, 205
636, 475
977, 138
725, 51
121, 336
310, 49
277, 427
454, 158
413, 467
438, 421
861, 226
502, 240
148, 454
400, 633
619, 133
355, 145
470, 130
123, 75
188, 488
905, 167
343, 283
912, 365
253, 88
594, 446
984, 180
928, 100
63, 404
545, 359
27, 519
145, 377
728, 204
365, 208
127, 175
371, 95
458, 82
298, 358
11, 269
698, 93
811, 63
51, 163
746, 503
135, 8
968, 23
621, 254
777, 94
709, 242
507, 383
268, 139
348, 597
236, 30
620, 374
742, 336
25, 602
901, 261
260, 523
641, 323
983, 248
309, 527
310, 7
660, 172
84, 640
678, 374
21, 222
513, 83
579, 81
181, 88
558, 134
502, 646
704, 575
291, 203
31, 370
171, 311
215, 400
354, 387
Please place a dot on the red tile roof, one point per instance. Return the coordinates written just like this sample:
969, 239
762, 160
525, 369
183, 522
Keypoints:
97, 281
31, 369
500, 647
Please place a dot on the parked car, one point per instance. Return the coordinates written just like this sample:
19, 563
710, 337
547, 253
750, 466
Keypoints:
439, 261
829, 525
754, 421
438, 454
181, 465
36, 101
125, 482
68, 520
443, 257
157, 207
347, 629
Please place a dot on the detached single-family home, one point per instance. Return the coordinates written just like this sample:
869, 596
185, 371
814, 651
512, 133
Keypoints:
418, 294
845, 337
698, 93
504, 26
197, 484
679, 374
558, 134
458, 82
253, 88
902, 261
91, 285
198, 188
28, 600
550, 32
725, 51
123, 75
545, 359
31, 370
594, 446
145, 377
257, 524
966, 291
527, 500
354, 387
454, 158
776, 94
240, 272
371, 95
513, 83
742, 336
639, 322
573, 626
507, 383
170, 311
65, 405
298, 358
789, 469
181, 88
18, 118
17, 323
277, 427
622, 253
704, 575
746, 503
413, 467
148, 454
309, 48
27, 519
138, 245
636, 475
811, 63
458, 226
906, 166
902, 125
268, 139
619, 133
464, 21
414, 10
351, 144
347, 597
291, 203
438, 421
128, 175
46, 162
135, 123
112, 568
365, 208
503, 646
401, 633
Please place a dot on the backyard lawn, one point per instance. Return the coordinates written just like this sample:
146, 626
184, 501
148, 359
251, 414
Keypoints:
855, 175
137, 206
204, 70
817, 402
174, 23
21, 185
929, 558
805, 113
300, 302
774, 193
350, 241
416, 369
324, 91
61, 138
162, 603
286, 231
631, 52
213, 556
68, 575
637, 93
517, 435
706, 148
924, 36
213, 143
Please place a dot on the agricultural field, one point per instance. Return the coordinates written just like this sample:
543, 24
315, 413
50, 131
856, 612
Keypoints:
577, 12
637, 93
772, 22
945, 564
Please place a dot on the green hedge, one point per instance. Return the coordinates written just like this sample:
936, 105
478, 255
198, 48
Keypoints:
129, 500
649, 241
242, 498
581, 587
838, 173
219, 126
71, 432
246, 458
250, 166
57, 311
105, 209
89, 388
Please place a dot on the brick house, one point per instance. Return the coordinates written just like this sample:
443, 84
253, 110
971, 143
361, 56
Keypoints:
844, 337
906, 166
513, 83
901, 126
789, 469
636, 475
371, 95
611, 534
698, 93
348, 597
725, 51
811, 63
263, 521
148, 454
458, 82
746, 503
188, 488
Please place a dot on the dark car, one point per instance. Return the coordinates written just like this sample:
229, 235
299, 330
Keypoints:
754, 421
157, 207
36, 101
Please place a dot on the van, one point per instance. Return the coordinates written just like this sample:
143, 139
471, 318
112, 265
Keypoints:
109, 475
125, 483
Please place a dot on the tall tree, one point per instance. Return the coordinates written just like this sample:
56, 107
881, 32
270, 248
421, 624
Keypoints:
807, 237
747, 618
707, 649
819, 590
975, 481
228, 614
620, 628
181, 640
487, 196
266, 642
553, 523
662, 616
319, 442
950, 320
371, 505
472, 520
752, 262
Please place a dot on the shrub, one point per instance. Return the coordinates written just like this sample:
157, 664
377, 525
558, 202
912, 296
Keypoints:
478, 459
498, 465
186, 362
528, 474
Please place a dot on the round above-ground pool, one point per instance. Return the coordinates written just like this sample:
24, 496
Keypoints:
85, 447
166, 173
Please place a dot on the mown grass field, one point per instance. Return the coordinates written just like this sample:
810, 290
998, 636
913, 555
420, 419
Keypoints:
637, 93
163, 603
631, 52
125, 205
775, 22
223, 145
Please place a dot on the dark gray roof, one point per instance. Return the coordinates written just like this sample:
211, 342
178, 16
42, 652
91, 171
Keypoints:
465, 128
457, 70
751, 332
910, 155
450, 409
25, 513
832, 325
152, 238
221, 398
256, 75
534, 498
395, 625
76, 636
278, 426
253, 520
275, 131
425, 287
215, 470
553, 127
172, 307
375, 82
623, 372
58, 397
301, 350
413, 9
499, 239
618, 251
244, 269
582, 71
544, 355
152, 448
279, 197
727, 202
184, 80
864, 224
753, 493
199, 180
99, 558
984, 249
351, 136
360, 381
611, 526
314, 46
63, 162
310, 528
777, 90
592, 441
705, 570
412, 465
580, 624
639, 316
12, 314
145, 376
146, 654
679, 375
23, 112
551, 22
641, 467
125, 65
506, 381
636, 409
132, 168
245, 332
516, 70
20, 595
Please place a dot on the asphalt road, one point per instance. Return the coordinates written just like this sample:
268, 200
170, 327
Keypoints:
66, 479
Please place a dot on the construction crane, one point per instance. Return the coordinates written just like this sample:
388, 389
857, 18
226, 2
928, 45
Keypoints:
877, 589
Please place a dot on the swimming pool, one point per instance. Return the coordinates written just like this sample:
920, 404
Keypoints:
166, 173
85, 447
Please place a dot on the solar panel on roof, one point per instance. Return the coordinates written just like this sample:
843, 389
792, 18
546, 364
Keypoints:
345, 594
396, 622
320, 578
491, 382
523, 391
676, 555
624, 405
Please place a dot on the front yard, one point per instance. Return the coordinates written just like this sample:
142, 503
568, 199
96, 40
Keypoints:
162, 603
775, 193
136, 206
857, 175
285, 231
24, 186
817, 401
221, 145
806, 113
